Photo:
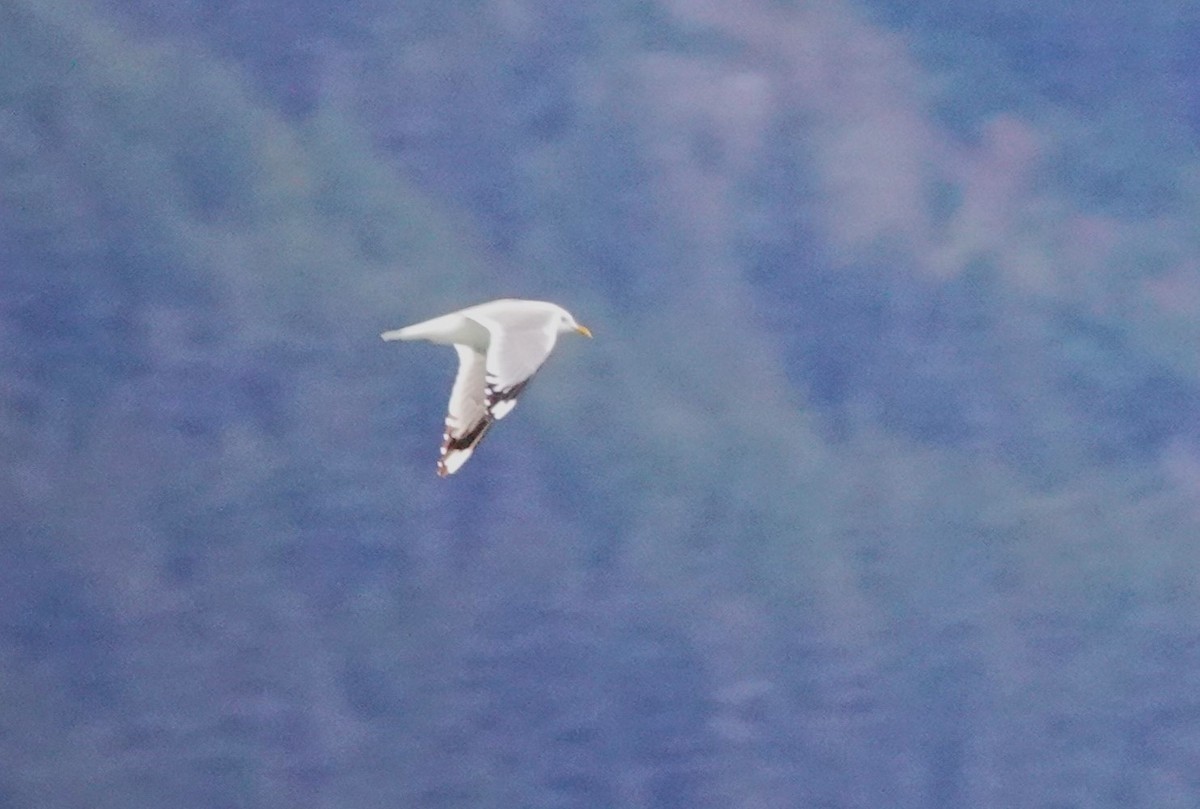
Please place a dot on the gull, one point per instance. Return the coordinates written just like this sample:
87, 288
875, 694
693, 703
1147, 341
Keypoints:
501, 345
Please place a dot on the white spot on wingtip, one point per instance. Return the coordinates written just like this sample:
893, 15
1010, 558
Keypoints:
452, 461
501, 409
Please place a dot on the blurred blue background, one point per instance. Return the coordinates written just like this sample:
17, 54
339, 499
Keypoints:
878, 487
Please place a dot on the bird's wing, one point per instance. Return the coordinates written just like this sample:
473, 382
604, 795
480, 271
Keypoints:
467, 417
520, 342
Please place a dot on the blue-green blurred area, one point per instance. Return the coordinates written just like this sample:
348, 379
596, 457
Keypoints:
879, 485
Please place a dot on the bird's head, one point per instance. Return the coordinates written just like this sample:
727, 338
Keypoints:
567, 323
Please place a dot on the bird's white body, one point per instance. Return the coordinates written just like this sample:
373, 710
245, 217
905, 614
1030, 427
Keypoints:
500, 344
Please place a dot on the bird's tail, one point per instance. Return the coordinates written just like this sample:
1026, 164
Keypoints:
417, 331
442, 329
397, 334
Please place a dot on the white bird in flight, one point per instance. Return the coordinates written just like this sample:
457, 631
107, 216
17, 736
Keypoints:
500, 344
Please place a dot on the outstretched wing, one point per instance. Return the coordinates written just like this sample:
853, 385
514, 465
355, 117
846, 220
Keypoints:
520, 343
467, 417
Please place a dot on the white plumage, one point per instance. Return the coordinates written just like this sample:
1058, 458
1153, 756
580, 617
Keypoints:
500, 344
